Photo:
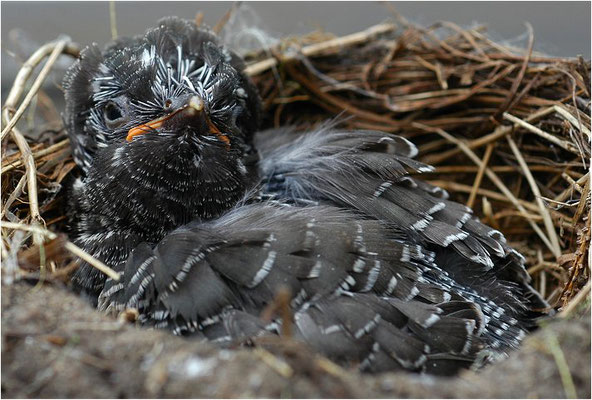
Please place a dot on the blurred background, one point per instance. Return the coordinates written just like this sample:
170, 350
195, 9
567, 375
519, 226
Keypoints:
561, 28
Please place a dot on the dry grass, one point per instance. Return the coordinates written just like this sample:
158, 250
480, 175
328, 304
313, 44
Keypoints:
507, 129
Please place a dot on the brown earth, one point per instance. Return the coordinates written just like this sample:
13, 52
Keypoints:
55, 345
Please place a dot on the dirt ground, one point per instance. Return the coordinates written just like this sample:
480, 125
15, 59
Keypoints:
55, 345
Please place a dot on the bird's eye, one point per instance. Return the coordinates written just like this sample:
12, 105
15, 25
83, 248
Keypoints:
113, 115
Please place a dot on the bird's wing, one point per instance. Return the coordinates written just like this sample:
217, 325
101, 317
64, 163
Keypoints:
360, 291
374, 173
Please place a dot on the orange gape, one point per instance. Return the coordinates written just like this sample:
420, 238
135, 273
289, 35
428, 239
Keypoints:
221, 136
154, 124
157, 123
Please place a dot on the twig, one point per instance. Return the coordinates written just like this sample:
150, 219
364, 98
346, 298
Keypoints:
336, 101
38, 154
579, 298
562, 366
501, 169
564, 144
563, 112
226, 17
567, 192
77, 251
514, 89
583, 201
479, 176
537, 195
321, 48
14, 195
571, 182
113, 19
499, 132
437, 69
278, 365
468, 37
31, 173
10, 118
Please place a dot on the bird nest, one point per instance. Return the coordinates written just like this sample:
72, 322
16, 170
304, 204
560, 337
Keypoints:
507, 129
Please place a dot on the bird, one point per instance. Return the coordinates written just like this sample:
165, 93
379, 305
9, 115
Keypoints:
206, 217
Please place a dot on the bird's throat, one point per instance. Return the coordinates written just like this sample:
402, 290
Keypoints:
150, 192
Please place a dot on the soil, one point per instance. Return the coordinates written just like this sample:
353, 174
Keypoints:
54, 344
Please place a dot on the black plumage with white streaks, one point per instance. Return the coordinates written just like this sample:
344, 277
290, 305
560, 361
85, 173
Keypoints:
206, 220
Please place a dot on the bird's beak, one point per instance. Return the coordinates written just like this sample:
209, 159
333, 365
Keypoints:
193, 108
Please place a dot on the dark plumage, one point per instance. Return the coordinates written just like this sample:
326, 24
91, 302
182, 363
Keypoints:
206, 220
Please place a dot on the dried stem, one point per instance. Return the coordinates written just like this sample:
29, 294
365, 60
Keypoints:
10, 117
321, 48
75, 250
556, 249
564, 144
499, 132
568, 310
479, 177
38, 154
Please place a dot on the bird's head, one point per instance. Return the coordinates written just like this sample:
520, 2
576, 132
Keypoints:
174, 83
170, 109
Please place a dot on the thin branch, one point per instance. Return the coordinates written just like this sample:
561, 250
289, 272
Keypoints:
321, 48
564, 144
9, 116
113, 19
77, 251
563, 112
499, 132
38, 154
567, 192
479, 176
564, 373
568, 310
537, 195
